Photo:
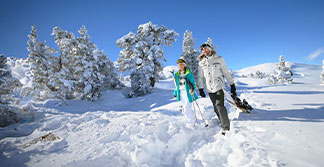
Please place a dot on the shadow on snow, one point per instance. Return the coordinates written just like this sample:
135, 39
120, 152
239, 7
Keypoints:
295, 115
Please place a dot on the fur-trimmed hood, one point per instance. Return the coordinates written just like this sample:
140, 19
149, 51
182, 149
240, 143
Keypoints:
201, 56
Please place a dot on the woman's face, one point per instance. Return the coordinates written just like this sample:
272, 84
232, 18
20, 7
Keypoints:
181, 66
205, 51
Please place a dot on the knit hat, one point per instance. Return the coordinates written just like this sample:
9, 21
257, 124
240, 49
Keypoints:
205, 45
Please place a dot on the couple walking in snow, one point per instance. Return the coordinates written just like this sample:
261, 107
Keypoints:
211, 72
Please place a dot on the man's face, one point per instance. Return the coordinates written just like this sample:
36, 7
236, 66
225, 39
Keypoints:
205, 51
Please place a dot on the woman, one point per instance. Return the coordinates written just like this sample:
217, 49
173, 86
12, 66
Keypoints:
211, 72
184, 91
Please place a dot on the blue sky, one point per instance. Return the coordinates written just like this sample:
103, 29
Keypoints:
247, 32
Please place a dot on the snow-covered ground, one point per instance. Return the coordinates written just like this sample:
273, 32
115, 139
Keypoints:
286, 128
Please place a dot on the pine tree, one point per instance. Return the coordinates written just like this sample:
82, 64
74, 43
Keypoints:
322, 74
39, 59
142, 55
83, 69
87, 72
210, 42
282, 73
93, 68
153, 37
190, 54
107, 70
64, 79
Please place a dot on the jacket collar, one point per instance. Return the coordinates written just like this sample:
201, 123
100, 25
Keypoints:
187, 71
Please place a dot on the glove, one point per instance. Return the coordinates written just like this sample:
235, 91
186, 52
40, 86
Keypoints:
202, 93
233, 91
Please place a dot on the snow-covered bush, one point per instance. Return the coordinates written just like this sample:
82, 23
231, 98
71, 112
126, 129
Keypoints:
7, 83
142, 54
167, 71
20, 69
190, 54
256, 75
282, 73
322, 74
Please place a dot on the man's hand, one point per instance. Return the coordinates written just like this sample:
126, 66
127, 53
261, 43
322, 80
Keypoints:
202, 93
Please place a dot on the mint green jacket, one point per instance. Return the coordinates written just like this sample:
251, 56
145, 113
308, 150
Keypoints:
190, 78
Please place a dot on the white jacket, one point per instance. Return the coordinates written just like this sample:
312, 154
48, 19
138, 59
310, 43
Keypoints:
211, 72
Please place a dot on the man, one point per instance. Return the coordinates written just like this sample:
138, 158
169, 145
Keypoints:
211, 72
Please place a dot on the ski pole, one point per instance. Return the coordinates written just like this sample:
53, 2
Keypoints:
194, 101
173, 76
206, 124
193, 106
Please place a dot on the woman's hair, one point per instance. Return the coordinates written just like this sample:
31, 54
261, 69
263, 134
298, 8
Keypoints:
201, 56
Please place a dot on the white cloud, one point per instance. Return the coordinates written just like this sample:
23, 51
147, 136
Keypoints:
315, 54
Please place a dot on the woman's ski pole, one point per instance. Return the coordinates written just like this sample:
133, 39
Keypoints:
194, 101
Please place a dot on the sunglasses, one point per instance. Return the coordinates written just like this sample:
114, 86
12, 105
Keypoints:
180, 61
204, 46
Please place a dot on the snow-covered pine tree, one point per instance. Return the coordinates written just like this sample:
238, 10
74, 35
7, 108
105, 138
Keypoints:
142, 55
87, 74
107, 71
190, 54
64, 80
153, 37
127, 60
322, 74
93, 68
210, 42
39, 59
282, 73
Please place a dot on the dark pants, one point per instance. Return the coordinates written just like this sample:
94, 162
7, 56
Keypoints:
219, 108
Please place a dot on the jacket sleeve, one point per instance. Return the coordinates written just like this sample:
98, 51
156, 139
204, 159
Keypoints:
175, 89
226, 73
201, 78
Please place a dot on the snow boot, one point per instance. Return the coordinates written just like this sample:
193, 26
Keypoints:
224, 131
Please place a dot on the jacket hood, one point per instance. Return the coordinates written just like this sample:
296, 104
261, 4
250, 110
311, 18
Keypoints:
201, 56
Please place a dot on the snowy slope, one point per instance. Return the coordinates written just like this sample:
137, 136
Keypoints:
285, 129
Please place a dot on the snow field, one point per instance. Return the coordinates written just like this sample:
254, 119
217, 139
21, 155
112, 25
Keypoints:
284, 129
